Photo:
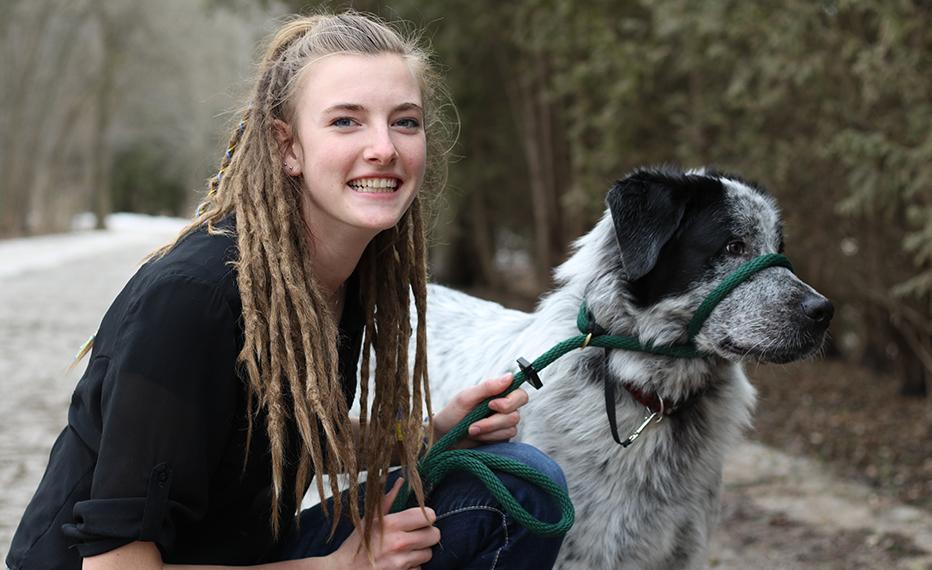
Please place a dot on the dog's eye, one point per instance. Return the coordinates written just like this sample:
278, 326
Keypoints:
735, 248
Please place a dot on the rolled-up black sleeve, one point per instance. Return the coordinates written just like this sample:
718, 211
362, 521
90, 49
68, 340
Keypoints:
167, 406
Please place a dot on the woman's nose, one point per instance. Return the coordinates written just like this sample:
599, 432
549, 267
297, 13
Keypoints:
381, 149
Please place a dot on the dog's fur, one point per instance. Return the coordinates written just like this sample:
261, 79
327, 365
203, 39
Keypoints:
660, 248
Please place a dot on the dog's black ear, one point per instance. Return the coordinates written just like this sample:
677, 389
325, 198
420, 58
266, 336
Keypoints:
646, 209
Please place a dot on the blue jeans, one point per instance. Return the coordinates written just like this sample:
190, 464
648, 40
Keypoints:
475, 532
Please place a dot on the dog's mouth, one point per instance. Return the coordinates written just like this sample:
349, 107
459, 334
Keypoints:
770, 351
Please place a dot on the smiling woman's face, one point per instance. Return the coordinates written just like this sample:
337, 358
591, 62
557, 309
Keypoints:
359, 143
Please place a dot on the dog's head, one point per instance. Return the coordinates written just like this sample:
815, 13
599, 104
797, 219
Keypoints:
680, 234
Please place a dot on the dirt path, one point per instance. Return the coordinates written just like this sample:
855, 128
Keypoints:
784, 512
779, 512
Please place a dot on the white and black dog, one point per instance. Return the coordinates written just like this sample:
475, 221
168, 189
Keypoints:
665, 242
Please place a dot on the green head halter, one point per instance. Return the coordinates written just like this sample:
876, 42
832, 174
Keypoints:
688, 349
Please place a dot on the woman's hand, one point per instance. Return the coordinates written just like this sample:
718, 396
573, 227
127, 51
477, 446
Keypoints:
402, 542
502, 425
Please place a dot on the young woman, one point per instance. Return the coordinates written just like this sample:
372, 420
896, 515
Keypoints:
221, 377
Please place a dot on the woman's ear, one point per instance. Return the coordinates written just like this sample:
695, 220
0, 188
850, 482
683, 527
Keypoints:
287, 147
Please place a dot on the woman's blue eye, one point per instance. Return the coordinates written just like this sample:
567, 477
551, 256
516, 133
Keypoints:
342, 122
409, 123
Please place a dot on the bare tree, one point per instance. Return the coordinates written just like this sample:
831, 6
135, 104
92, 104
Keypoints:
26, 26
44, 106
85, 79
539, 122
114, 24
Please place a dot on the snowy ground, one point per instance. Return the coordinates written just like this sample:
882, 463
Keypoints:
779, 512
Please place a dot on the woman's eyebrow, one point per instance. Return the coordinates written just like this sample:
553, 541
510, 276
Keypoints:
352, 107
409, 107
356, 107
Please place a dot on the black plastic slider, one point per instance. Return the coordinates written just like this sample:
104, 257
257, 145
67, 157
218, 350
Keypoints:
529, 373
594, 328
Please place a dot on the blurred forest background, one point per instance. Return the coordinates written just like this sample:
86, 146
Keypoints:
124, 105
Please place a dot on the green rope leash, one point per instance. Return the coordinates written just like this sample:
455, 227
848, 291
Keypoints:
441, 460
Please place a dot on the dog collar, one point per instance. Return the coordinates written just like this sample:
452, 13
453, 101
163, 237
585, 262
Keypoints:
653, 403
655, 407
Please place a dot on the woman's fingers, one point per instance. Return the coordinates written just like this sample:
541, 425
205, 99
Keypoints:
493, 423
471, 397
418, 557
509, 403
389, 497
497, 427
403, 540
423, 538
408, 536
501, 425
410, 519
495, 436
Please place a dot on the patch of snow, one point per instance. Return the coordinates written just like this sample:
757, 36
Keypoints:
22, 255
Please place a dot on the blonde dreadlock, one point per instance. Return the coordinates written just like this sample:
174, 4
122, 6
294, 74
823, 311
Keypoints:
290, 355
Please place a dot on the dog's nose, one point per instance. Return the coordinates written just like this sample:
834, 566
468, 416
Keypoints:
818, 308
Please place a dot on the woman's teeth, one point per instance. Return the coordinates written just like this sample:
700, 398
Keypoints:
374, 185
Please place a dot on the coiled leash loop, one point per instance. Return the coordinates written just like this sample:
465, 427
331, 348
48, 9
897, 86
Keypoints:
440, 460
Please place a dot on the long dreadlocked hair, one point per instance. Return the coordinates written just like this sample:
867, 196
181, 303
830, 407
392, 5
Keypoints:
290, 354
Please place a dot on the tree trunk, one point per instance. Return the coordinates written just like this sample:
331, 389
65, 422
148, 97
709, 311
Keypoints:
899, 340
43, 100
14, 186
111, 29
100, 177
915, 363
483, 242
528, 98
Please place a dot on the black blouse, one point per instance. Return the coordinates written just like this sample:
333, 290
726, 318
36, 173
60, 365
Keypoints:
155, 444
